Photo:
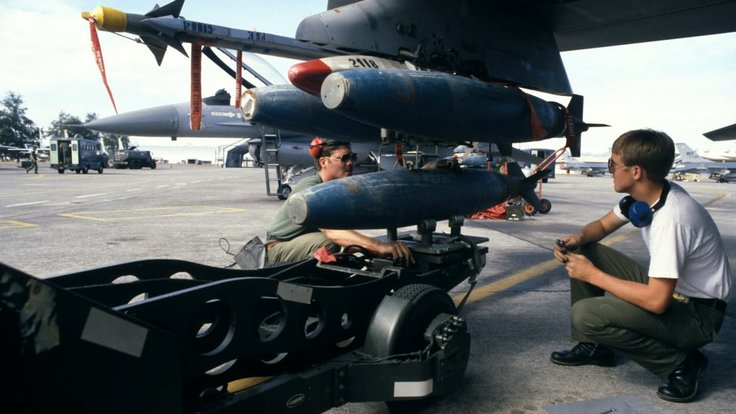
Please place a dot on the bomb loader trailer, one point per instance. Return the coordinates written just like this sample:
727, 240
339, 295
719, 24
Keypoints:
170, 336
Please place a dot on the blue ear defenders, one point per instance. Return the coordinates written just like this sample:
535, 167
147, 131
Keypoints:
639, 212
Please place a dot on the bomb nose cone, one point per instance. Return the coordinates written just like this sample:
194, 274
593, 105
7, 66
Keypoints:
334, 90
158, 121
248, 105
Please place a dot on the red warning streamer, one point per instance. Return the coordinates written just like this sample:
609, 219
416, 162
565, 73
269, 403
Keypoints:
238, 78
195, 98
399, 150
97, 50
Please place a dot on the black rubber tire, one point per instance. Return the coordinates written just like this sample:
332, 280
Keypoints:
283, 192
546, 206
426, 303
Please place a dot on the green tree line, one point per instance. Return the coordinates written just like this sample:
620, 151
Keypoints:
17, 130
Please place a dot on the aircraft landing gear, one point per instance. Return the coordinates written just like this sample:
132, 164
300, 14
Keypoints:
283, 192
530, 210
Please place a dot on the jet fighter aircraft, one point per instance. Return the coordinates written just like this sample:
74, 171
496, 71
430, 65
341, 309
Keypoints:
428, 71
471, 57
588, 168
283, 155
691, 162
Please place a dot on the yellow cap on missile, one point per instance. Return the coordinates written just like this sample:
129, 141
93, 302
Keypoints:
107, 18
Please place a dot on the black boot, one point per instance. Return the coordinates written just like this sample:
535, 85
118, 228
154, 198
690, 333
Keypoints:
585, 353
683, 381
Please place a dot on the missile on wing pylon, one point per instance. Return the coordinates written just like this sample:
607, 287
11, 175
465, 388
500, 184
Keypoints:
392, 199
287, 108
439, 105
220, 121
113, 20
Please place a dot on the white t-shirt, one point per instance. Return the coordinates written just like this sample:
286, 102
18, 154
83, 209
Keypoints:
685, 244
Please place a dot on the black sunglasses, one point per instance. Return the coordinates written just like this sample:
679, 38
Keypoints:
612, 166
350, 156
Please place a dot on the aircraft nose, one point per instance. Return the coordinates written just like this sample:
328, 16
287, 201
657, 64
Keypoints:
158, 121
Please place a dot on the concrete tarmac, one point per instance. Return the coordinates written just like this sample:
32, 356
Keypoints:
52, 224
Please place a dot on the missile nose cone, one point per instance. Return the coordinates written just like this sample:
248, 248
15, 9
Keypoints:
107, 18
159, 121
334, 90
308, 76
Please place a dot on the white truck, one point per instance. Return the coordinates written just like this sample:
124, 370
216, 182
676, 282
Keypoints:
77, 154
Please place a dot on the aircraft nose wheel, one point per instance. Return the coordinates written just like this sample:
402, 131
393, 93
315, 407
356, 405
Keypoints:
283, 192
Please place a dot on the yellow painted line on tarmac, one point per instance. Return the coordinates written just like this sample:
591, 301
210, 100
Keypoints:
543, 267
149, 213
13, 224
719, 196
525, 274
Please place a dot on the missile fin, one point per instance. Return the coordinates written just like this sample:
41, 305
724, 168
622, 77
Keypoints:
171, 9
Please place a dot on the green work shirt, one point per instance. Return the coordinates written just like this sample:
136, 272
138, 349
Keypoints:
282, 227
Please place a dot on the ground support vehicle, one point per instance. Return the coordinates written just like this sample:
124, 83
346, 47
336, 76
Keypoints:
170, 336
133, 159
77, 154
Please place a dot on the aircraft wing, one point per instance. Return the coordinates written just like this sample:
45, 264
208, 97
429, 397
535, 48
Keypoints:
722, 134
584, 24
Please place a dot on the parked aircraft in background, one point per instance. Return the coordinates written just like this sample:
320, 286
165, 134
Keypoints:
283, 155
24, 153
727, 133
588, 168
728, 155
690, 162
219, 120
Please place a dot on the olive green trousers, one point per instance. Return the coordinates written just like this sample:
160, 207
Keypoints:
299, 248
659, 343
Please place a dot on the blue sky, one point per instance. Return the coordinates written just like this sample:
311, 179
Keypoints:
684, 87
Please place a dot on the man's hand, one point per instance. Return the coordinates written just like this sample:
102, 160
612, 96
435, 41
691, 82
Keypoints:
397, 251
564, 245
579, 267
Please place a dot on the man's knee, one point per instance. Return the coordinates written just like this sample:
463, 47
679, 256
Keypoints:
586, 316
299, 248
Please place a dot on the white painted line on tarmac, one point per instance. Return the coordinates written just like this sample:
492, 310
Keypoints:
27, 204
133, 189
91, 195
